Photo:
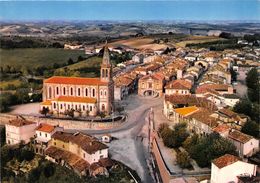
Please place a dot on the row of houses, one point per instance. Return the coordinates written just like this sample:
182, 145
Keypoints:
82, 153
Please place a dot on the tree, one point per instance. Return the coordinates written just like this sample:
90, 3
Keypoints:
102, 114
3, 137
183, 159
251, 128
210, 147
244, 106
253, 94
252, 79
181, 134
80, 58
25, 71
49, 169
70, 61
70, 113
45, 111
162, 126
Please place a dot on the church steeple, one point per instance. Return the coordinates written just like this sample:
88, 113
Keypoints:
106, 66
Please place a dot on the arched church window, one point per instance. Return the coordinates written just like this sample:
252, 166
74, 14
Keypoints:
57, 90
93, 92
86, 92
78, 91
64, 91
71, 91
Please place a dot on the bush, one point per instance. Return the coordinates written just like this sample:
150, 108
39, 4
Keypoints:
183, 160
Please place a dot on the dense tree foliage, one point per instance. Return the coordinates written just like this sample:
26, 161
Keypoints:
204, 149
173, 138
251, 128
252, 82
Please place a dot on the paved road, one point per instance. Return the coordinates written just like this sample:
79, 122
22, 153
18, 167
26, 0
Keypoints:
129, 147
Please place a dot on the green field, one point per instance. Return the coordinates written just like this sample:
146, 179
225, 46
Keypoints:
87, 68
33, 57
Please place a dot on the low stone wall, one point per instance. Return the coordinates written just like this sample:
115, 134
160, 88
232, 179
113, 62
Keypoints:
66, 124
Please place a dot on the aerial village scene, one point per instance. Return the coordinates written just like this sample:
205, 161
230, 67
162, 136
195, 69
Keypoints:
121, 93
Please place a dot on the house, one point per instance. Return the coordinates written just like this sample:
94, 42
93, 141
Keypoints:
179, 114
77, 151
230, 99
19, 131
229, 117
227, 168
177, 101
44, 133
201, 122
106, 138
179, 86
124, 85
246, 145
151, 85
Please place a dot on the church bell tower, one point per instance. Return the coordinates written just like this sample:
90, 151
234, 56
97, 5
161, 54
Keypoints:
106, 66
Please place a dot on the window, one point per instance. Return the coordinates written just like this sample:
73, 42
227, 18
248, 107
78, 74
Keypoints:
76, 107
49, 92
45, 134
86, 92
103, 107
54, 105
106, 71
105, 93
90, 108
93, 92
64, 91
142, 85
60, 106
78, 91
63, 146
68, 106
55, 143
150, 85
71, 91
57, 90
102, 74
83, 108
101, 93
40, 134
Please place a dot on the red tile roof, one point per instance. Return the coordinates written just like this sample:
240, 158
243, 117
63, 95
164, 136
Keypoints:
76, 99
74, 80
86, 142
225, 160
73, 160
20, 122
179, 84
45, 128
239, 136
221, 128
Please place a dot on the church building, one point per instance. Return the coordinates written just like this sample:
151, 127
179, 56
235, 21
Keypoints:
89, 96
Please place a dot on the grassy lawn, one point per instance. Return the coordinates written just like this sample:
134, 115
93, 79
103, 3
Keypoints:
33, 57
198, 39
